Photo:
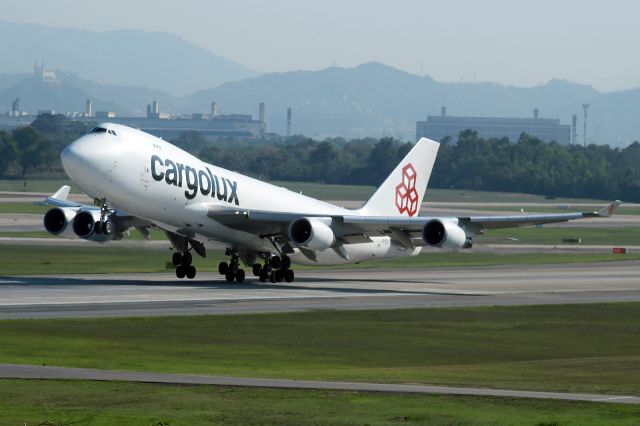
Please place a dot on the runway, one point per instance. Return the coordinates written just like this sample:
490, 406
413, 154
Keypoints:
16, 371
113, 295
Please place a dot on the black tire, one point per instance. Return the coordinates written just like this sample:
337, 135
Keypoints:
275, 262
240, 276
279, 274
176, 259
272, 277
257, 269
223, 268
191, 272
288, 275
229, 276
264, 276
286, 263
187, 259
181, 272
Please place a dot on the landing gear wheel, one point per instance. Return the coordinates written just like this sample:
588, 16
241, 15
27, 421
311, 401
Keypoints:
180, 271
264, 275
177, 259
272, 277
229, 276
240, 276
286, 263
107, 227
191, 272
257, 269
275, 262
279, 275
288, 275
223, 268
187, 259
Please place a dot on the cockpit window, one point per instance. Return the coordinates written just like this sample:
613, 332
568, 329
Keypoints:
98, 130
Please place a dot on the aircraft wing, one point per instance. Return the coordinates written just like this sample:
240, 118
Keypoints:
356, 228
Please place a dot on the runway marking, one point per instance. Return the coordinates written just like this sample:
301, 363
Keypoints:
18, 371
12, 282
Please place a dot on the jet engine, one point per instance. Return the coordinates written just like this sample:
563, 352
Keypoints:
312, 233
59, 221
445, 234
87, 225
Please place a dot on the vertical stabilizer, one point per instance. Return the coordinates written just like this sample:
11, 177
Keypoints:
402, 192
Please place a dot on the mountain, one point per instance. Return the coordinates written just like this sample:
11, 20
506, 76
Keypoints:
123, 57
60, 96
374, 99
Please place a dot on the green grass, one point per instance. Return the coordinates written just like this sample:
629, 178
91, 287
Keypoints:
103, 404
554, 235
22, 208
35, 185
534, 209
21, 259
584, 348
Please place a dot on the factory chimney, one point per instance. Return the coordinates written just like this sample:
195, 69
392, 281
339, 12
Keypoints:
89, 109
262, 118
289, 122
585, 107
574, 129
15, 107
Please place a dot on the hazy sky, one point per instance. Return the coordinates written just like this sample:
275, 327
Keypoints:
508, 41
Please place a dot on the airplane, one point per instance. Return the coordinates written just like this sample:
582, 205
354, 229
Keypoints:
140, 181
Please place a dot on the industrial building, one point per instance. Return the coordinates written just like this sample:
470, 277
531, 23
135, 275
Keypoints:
210, 125
438, 127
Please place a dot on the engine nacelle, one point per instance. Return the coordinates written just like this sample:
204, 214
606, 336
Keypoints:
86, 225
445, 234
311, 233
59, 221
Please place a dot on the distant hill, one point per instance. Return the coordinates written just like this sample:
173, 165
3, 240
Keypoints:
369, 100
375, 99
124, 57
59, 96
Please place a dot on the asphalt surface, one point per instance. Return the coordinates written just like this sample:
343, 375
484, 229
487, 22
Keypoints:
112, 295
15, 371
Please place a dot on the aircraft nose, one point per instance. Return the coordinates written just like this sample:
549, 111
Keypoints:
72, 156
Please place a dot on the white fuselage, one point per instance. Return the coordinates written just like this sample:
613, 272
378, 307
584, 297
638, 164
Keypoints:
153, 179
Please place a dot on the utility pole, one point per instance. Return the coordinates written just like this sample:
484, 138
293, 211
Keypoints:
585, 107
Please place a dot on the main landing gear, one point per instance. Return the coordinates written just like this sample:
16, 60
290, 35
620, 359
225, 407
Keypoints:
182, 262
231, 270
275, 269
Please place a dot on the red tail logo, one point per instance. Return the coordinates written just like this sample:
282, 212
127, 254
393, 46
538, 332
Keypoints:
406, 193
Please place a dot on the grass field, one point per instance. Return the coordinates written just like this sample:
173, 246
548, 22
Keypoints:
21, 259
35, 185
100, 404
554, 235
587, 348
